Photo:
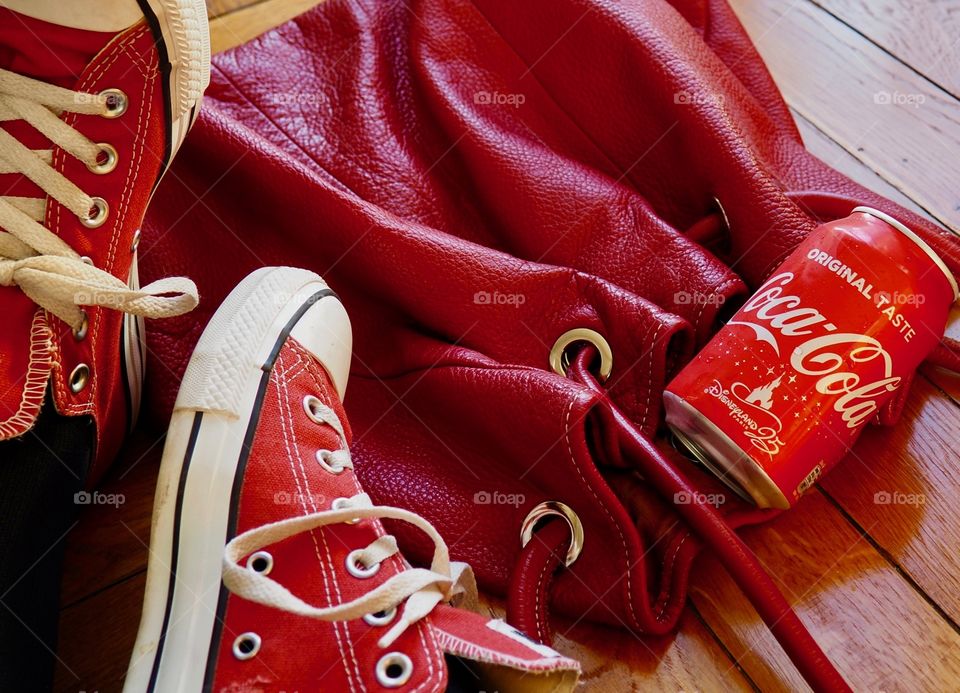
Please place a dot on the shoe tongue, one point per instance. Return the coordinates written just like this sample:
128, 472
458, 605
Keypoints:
48, 52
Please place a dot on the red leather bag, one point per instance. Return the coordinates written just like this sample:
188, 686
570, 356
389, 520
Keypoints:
476, 180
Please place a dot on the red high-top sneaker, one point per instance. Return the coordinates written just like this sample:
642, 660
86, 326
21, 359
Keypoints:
95, 98
269, 566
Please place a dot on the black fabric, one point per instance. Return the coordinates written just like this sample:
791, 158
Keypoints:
40, 473
460, 676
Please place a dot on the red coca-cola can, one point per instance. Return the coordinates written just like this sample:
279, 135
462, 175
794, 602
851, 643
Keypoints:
782, 391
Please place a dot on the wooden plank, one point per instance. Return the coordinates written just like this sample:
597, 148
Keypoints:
901, 484
97, 637
831, 153
921, 538
924, 35
244, 23
217, 8
947, 381
839, 82
614, 660
844, 161
878, 631
110, 542
689, 660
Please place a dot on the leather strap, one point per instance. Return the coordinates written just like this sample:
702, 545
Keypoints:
530, 582
542, 557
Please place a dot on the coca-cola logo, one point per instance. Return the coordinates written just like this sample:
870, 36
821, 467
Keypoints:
828, 355
785, 313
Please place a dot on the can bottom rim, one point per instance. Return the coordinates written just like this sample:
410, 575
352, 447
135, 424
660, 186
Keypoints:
703, 458
721, 455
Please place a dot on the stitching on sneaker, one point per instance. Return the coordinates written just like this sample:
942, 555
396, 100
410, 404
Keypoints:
432, 648
39, 365
87, 404
329, 574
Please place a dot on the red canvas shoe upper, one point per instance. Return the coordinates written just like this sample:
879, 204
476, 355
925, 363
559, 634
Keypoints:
84, 136
319, 598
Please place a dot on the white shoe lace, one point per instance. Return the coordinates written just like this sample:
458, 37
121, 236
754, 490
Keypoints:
422, 588
32, 257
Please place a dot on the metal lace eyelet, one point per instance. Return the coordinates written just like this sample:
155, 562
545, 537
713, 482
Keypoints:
340, 504
560, 359
79, 378
97, 214
394, 669
333, 469
357, 568
106, 160
555, 509
380, 618
310, 405
80, 331
246, 646
116, 103
260, 562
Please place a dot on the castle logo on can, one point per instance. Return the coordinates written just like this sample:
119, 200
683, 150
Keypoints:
750, 408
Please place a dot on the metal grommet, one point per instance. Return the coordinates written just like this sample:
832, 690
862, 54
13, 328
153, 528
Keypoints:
310, 403
555, 509
394, 669
80, 332
340, 504
79, 378
87, 260
109, 162
246, 646
333, 469
260, 562
380, 618
136, 241
559, 359
357, 568
97, 215
116, 102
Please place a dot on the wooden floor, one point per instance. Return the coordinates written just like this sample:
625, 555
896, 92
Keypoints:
874, 85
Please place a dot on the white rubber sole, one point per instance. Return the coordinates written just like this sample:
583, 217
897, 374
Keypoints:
213, 423
186, 36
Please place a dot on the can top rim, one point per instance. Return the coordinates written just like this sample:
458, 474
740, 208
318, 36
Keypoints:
901, 227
